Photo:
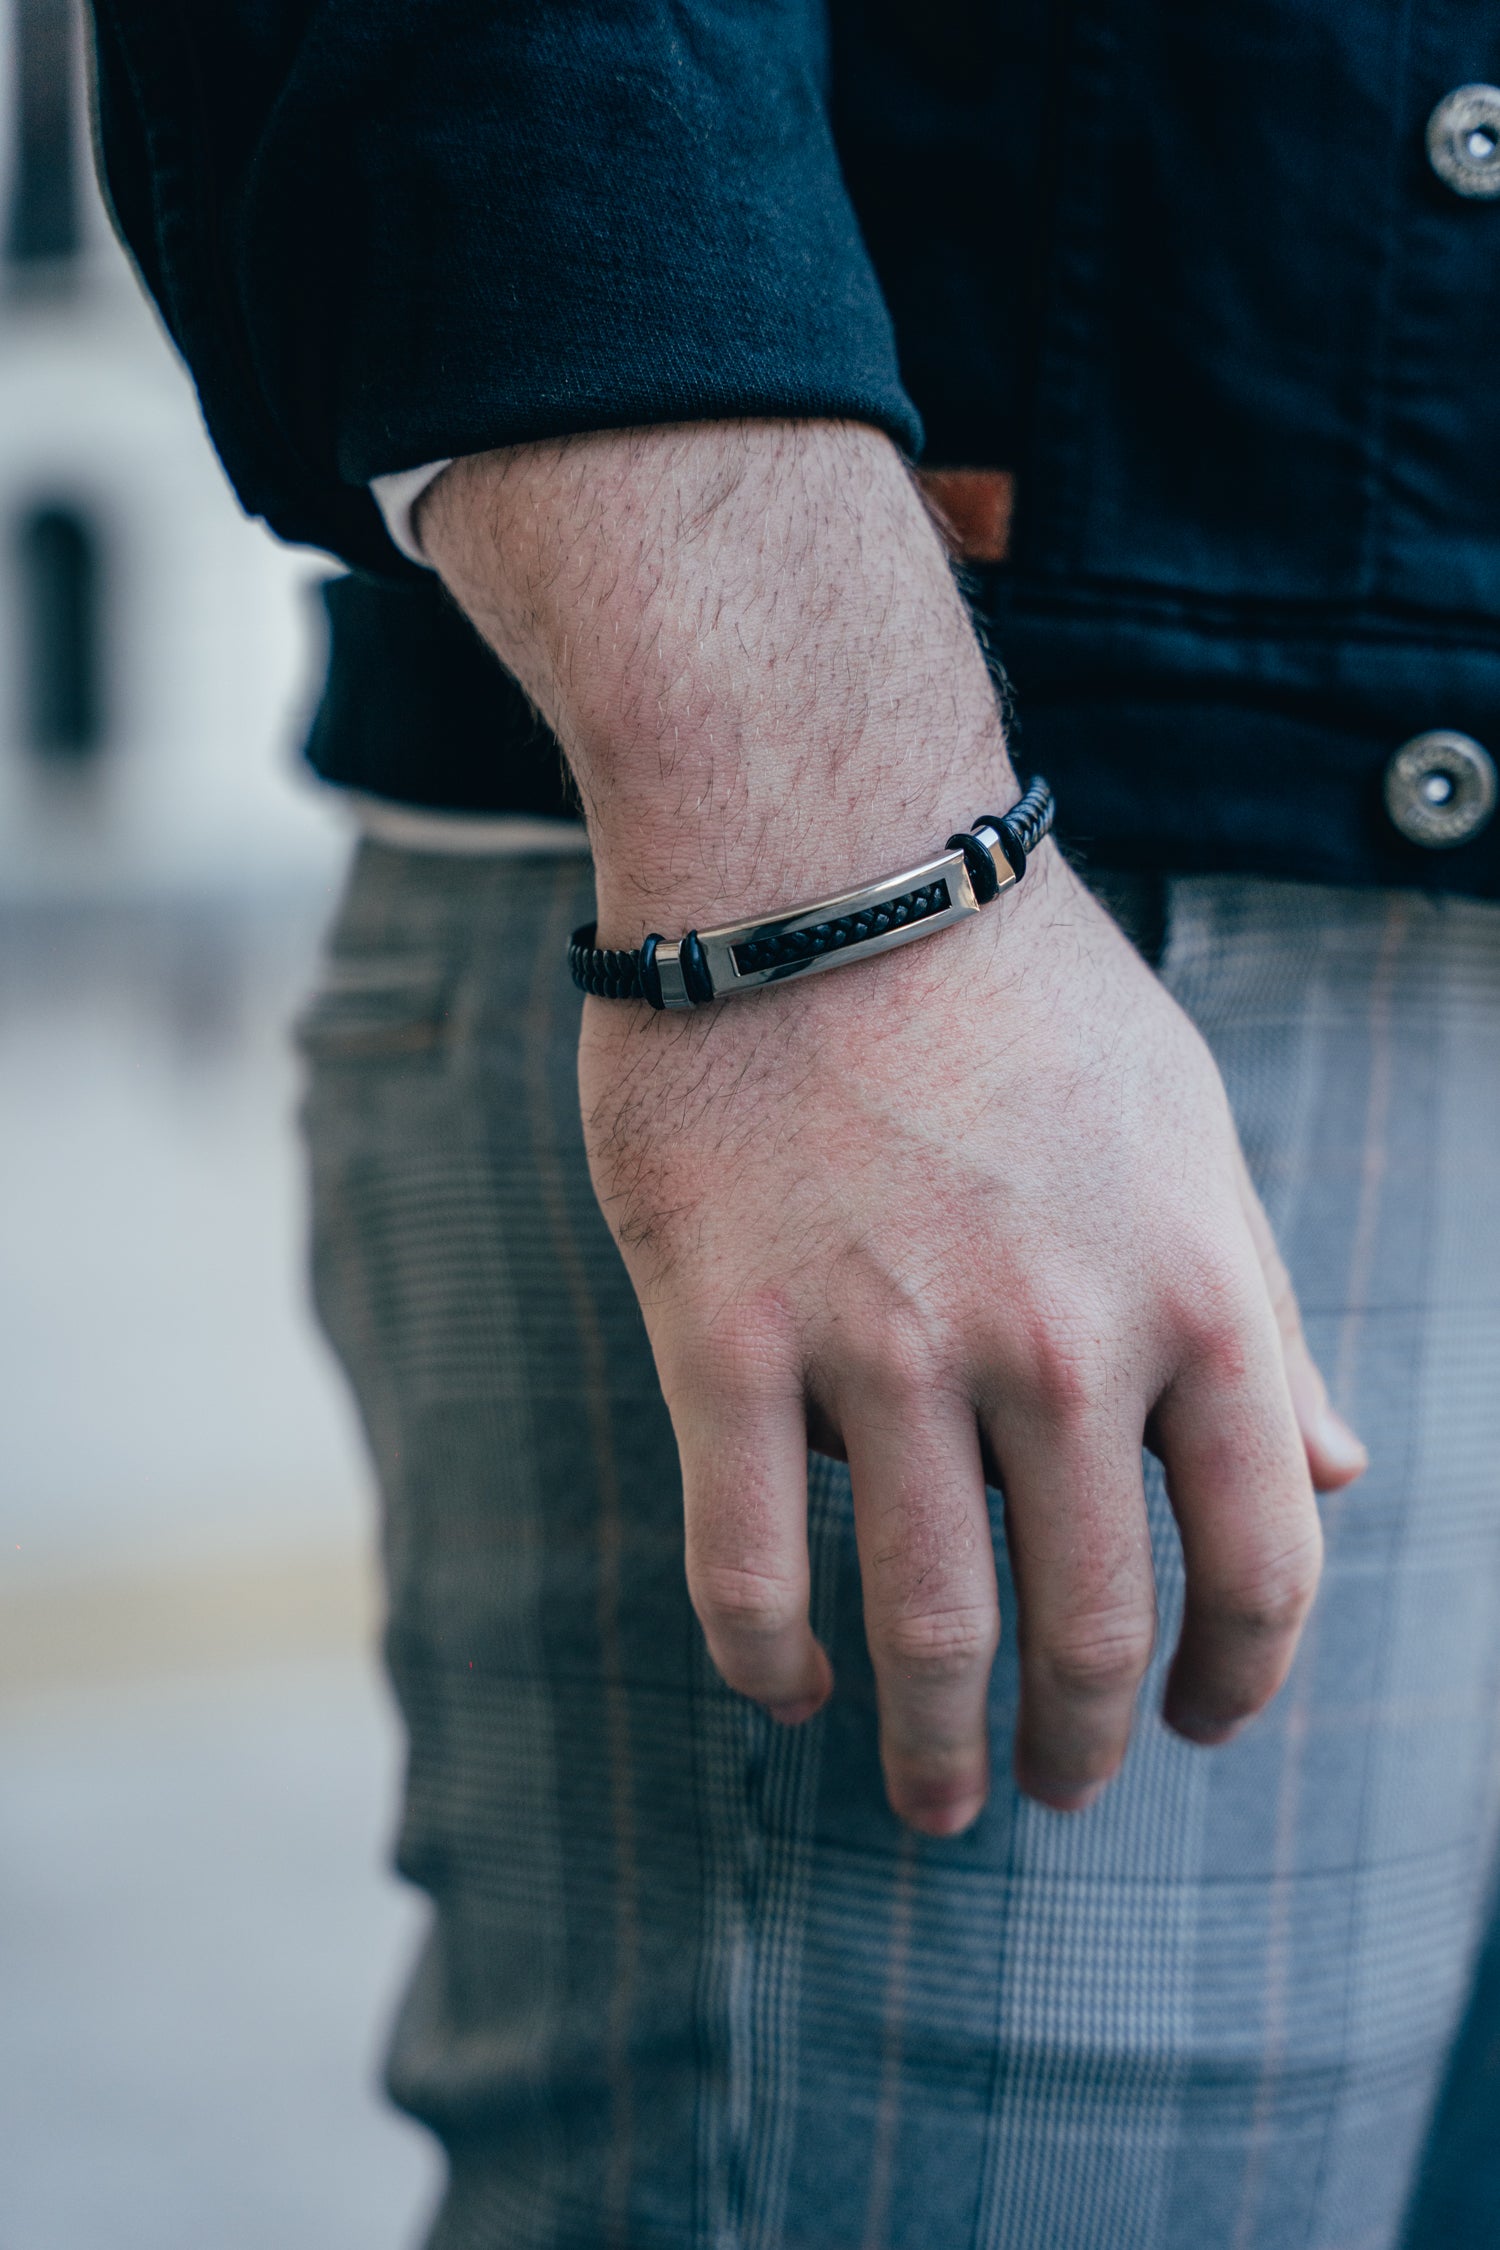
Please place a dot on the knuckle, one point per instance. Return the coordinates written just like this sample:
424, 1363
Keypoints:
1221, 1348
1099, 1655
742, 1604
934, 1646
1218, 1324
738, 1359
1272, 1599
1061, 1368
889, 1351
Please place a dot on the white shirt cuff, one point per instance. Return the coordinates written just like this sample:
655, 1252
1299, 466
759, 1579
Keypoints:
415, 828
397, 495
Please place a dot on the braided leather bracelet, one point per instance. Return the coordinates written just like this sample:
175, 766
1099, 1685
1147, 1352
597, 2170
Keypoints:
688, 972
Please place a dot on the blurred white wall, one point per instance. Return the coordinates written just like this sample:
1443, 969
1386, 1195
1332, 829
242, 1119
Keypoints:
198, 1940
205, 620
161, 897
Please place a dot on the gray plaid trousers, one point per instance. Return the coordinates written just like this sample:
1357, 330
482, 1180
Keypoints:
687, 1981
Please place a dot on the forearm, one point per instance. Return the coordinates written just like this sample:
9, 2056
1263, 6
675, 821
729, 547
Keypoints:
749, 643
848, 1214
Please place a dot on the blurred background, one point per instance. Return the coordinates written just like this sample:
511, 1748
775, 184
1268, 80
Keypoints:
199, 1941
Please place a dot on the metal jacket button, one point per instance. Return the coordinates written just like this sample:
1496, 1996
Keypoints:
1441, 789
1463, 140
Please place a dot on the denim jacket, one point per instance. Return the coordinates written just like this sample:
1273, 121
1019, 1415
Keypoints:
1219, 284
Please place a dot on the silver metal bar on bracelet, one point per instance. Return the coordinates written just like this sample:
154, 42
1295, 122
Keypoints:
707, 965
851, 926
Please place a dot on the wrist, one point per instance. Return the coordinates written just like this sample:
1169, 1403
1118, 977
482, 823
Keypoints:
752, 844
748, 641
977, 866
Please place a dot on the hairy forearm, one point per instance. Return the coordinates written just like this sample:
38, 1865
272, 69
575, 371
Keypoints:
747, 639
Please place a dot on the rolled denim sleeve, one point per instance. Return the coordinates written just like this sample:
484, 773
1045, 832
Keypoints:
385, 233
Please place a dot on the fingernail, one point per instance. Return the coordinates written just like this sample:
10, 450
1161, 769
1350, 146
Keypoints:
1073, 1800
1204, 1734
946, 1820
1339, 1442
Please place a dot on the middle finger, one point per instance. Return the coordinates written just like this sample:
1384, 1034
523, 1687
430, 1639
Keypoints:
932, 1615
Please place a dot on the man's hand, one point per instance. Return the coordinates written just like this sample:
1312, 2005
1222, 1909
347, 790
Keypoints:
975, 1210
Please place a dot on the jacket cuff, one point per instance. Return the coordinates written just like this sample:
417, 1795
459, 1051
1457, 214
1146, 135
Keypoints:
543, 219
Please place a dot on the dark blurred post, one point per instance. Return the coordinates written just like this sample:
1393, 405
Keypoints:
55, 559
42, 233
57, 575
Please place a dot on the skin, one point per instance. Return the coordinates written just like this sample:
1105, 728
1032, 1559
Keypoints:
972, 1211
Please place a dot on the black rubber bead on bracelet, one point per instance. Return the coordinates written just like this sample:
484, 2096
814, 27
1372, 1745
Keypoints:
688, 972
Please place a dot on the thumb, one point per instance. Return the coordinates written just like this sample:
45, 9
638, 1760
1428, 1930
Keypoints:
1335, 1456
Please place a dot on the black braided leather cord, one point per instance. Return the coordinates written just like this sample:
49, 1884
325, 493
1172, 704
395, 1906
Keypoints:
607, 974
629, 975
848, 929
1023, 827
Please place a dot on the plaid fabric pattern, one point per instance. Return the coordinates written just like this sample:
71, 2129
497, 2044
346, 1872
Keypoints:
687, 1981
